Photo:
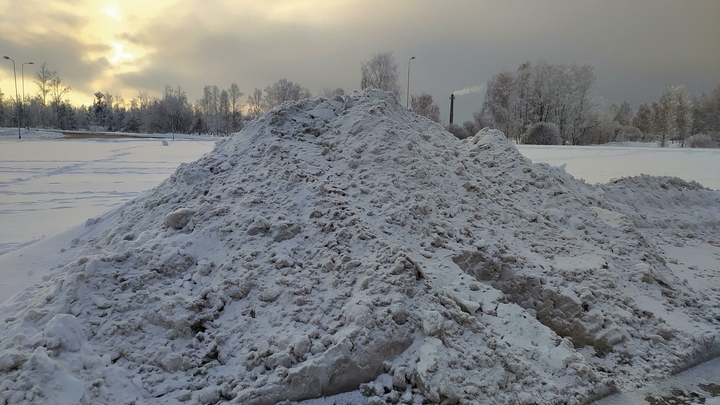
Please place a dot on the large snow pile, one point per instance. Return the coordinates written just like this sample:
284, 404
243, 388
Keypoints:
348, 243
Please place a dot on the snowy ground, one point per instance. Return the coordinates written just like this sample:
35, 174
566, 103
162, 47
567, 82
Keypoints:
345, 241
600, 164
49, 184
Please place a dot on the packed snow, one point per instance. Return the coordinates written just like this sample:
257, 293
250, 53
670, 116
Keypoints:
348, 246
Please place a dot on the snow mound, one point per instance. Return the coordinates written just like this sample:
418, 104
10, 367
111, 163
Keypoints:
345, 244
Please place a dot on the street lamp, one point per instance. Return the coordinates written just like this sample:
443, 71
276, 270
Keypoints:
22, 75
172, 125
407, 101
16, 94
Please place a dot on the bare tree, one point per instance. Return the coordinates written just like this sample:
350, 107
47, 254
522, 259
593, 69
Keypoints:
284, 90
43, 78
58, 90
255, 103
380, 72
329, 92
235, 107
224, 112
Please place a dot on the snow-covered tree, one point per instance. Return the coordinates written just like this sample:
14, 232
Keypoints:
329, 92
643, 120
663, 116
501, 100
457, 130
471, 128
284, 90
256, 103
682, 113
380, 72
622, 114
424, 105
540, 92
235, 107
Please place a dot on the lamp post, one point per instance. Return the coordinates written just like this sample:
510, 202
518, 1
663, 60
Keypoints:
22, 75
172, 125
16, 94
407, 101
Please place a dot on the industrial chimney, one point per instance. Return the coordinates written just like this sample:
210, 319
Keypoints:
452, 102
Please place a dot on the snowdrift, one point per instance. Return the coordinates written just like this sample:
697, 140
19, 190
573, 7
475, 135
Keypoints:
345, 244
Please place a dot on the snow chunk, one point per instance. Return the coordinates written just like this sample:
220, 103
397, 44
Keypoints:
63, 331
11, 359
178, 218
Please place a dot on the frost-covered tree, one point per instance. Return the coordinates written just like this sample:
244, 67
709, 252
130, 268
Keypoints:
329, 92
701, 141
681, 113
42, 80
457, 130
256, 103
235, 107
58, 90
225, 113
622, 114
424, 105
501, 102
471, 128
628, 134
663, 116
380, 72
643, 120
284, 90
540, 92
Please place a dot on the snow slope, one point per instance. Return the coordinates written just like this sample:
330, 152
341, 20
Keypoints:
345, 243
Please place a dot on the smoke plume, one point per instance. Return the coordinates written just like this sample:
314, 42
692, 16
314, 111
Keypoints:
468, 90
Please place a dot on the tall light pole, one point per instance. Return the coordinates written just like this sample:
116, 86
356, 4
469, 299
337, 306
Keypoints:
16, 94
22, 75
407, 101
172, 124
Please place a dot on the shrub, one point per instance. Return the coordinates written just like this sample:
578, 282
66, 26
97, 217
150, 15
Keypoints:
629, 134
543, 133
700, 141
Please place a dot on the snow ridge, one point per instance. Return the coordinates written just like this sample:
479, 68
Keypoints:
348, 243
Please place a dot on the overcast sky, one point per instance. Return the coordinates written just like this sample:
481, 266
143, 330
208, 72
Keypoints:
638, 47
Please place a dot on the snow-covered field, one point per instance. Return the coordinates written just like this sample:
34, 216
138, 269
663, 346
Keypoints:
341, 242
600, 164
49, 184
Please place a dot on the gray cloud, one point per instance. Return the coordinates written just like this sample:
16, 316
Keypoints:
637, 48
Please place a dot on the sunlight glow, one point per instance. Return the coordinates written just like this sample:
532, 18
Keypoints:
113, 12
119, 53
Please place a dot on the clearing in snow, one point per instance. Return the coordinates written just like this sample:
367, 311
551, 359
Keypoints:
345, 244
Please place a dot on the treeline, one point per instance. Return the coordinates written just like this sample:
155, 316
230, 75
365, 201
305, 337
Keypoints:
218, 112
537, 103
543, 98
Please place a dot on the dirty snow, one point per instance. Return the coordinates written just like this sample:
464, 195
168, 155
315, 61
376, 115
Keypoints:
349, 246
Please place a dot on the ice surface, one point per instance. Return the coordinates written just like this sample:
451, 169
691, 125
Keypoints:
348, 245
